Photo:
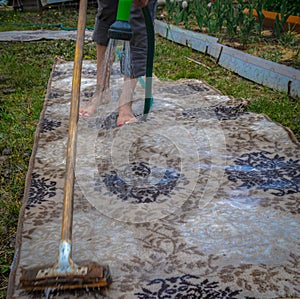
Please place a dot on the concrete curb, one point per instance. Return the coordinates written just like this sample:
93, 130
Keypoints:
261, 71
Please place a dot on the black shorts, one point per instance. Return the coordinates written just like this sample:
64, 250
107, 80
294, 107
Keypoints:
107, 11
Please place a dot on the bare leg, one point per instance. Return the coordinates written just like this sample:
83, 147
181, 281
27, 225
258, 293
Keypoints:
103, 74
102, 83
125, 103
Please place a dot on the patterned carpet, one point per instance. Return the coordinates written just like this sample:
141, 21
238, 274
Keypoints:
199, 201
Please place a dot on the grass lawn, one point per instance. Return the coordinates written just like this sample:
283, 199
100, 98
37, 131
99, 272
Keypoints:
24, 72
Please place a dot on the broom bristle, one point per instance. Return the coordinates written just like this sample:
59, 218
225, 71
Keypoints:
95, 276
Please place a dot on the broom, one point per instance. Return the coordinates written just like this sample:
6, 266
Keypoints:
65, 274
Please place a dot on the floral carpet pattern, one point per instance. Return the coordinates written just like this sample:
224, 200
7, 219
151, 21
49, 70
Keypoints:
198, 200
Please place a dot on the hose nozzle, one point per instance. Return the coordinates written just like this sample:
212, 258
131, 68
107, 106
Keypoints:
120, 30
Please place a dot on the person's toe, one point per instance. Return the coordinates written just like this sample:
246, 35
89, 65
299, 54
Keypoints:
131, 120
84, 113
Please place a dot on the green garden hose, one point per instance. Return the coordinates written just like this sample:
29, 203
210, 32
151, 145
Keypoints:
150, 59
121, 30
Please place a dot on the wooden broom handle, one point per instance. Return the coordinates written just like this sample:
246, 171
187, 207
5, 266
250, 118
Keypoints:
67, 220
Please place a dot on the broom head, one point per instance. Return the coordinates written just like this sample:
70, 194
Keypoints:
91, 275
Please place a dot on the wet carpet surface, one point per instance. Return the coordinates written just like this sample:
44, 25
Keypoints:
201, 200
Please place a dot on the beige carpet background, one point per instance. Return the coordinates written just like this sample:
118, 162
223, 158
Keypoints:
199, 201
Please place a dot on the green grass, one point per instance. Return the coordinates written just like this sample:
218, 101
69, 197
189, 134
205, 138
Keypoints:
24, 72
48, 18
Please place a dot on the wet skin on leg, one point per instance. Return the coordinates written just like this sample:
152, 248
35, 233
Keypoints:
103, 75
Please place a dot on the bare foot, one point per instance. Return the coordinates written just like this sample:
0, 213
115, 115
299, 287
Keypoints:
125, 115
90, 108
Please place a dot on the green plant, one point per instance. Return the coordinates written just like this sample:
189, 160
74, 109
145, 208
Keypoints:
281, 19
177, 15
260, 16
292, 6
220, 9
216, 15
289, 39
247, 26
210, 20
170, 7
200, 11
232, 19
185, 13
178, 11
